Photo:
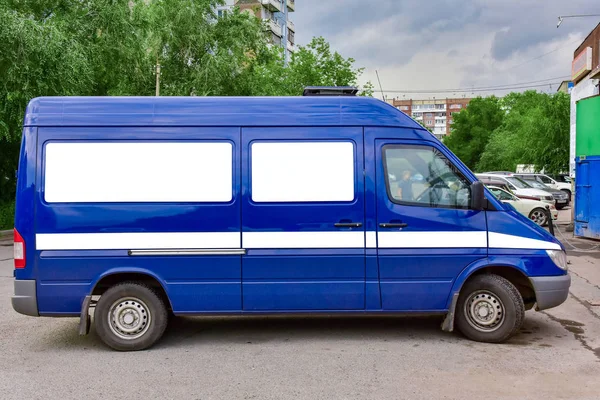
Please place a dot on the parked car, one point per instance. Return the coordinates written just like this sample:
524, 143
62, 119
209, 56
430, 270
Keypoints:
532, 209
499, 184
519, 187
562, 198
499, 172
564, 178
546, 180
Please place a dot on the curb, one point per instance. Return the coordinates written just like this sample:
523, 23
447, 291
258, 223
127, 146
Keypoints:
6, 234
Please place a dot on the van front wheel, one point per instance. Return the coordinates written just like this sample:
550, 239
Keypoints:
489, 309
130, 316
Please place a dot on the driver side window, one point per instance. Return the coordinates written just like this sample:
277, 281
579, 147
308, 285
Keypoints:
421, 175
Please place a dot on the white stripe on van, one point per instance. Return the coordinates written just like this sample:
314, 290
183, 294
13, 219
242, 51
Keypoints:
504, 241
407, 239
285, 240
138, 240
303, 240
371, 240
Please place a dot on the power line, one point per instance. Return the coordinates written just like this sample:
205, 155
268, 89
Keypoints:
519, 85
541, 55
472, 90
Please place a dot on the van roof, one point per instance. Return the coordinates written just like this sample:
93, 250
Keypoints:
217, 111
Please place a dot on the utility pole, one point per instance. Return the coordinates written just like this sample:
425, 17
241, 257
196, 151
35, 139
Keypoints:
380, 87
157, 76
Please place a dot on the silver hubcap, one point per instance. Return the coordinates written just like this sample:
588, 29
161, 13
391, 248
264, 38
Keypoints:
129, 318
539, 217
484, 311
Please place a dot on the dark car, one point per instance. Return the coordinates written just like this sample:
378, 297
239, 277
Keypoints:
561, 197
565, 178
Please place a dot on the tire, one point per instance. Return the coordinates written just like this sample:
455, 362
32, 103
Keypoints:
130, 316
503, 305
561, 206
539, 216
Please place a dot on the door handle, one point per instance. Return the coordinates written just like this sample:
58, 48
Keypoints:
348, 224
393, 225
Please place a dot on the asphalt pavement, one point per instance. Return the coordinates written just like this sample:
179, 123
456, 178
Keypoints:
556, 355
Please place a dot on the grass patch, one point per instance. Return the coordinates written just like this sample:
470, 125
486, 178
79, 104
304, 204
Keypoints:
7, 215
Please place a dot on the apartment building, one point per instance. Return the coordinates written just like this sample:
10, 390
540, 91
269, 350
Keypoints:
275, 13
435, 114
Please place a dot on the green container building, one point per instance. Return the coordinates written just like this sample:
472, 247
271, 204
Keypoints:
587, 168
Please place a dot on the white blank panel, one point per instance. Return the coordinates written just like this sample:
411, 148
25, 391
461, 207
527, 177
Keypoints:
302, 171
138, 172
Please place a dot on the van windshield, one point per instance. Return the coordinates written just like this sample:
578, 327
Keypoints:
519, 183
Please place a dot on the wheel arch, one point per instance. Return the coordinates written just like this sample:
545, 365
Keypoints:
513, 273
116, 276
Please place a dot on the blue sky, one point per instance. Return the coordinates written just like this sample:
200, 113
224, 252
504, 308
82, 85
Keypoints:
450, 44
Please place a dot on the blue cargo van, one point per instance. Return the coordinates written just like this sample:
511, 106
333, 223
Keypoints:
135, 210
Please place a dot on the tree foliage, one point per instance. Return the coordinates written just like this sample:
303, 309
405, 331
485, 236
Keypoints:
535, 131
108, 47
522, 128
473, 127
312, 65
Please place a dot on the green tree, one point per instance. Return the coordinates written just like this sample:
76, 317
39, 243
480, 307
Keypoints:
535, 131
502, 152
38, 57
472, 129
312, 65
547, 134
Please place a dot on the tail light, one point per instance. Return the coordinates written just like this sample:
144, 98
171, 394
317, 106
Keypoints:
19, 250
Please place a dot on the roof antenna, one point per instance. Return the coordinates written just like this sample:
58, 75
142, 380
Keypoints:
380, 88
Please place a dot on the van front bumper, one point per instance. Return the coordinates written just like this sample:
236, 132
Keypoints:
550, 291
24, 301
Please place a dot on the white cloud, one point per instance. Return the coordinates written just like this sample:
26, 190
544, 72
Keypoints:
445, 44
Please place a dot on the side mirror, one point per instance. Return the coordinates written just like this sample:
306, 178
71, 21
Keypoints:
477, 196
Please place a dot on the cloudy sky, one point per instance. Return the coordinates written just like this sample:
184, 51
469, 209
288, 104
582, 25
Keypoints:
443, 44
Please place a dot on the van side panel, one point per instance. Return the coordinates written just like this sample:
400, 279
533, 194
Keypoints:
193, 285
24, 207
79, 242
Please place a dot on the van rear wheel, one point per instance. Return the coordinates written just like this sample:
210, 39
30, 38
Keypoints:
130, 316
489, 309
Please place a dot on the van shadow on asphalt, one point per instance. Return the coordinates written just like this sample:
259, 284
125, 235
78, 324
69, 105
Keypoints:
247, 330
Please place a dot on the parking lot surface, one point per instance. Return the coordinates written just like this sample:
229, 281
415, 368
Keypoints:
556, 355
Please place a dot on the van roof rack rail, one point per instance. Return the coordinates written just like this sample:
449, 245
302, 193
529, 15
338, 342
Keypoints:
330, 91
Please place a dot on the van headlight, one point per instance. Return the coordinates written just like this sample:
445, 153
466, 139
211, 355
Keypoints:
559, 258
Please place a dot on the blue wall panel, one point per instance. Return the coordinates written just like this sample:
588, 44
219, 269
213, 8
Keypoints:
587, 197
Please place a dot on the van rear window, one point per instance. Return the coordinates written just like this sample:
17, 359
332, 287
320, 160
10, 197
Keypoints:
101, 172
